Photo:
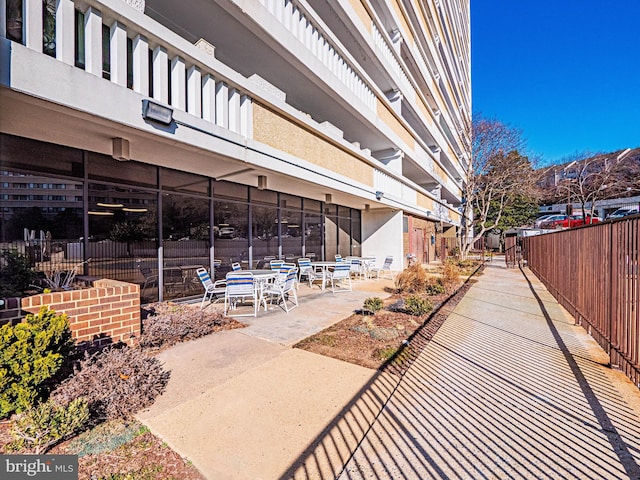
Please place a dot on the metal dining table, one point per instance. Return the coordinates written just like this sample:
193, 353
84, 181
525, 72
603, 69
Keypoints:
261, 278
325, 265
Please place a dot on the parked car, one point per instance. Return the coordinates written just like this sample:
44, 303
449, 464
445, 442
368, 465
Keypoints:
227, 232
552, 221
622, 212
571, 221
541, 219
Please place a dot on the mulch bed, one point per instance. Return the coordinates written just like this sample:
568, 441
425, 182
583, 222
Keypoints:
389, 340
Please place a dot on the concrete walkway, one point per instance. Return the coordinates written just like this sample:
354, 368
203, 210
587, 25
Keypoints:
507, 388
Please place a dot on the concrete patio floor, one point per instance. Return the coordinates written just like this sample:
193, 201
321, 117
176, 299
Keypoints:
508, 387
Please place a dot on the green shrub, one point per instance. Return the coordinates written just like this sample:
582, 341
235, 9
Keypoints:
417, 306
15, 274
435, 288
31, 353
43, 426
373, 304
116, 382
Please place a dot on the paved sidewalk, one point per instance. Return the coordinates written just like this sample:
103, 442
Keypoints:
507, 388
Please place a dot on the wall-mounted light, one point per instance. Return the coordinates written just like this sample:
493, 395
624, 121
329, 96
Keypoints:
262, 182
156, 112
379, 195
120, 149
110, 205
103, 214
134, 210
328, 198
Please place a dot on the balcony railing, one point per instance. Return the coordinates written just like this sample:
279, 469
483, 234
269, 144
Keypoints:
115, 41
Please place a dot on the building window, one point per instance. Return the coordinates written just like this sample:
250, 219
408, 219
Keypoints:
49, 27
14, 20
79, 43
106, 52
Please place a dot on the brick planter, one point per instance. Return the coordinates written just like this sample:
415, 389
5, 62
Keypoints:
109, 312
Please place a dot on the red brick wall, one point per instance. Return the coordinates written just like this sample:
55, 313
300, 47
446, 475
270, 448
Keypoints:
109, 312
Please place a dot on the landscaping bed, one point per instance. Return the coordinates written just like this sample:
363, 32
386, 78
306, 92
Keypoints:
392, 337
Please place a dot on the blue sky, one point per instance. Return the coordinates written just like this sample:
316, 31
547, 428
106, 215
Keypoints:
565, 72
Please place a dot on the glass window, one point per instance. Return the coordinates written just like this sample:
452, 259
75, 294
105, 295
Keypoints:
106, 52
266, 197
290, 231
231, 227
25, 155
290, 202
313, 235
312, 205
129, 63
222, 189
103, 167
186, 242
184, 182
344, 236
49, 27
14, 20
356, 233
330, 236
265, 233
79, 41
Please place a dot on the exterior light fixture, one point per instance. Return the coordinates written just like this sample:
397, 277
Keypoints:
379, 195
120, 149
262, 182
156, 112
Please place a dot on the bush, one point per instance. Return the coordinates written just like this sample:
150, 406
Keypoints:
435, 288
15, 274
373, 305
31, 353
41, 427
168, 323
450, 275
417, 306
116, 382
412, 279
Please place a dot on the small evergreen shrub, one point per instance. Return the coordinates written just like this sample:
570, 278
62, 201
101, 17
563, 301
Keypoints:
417, 306
43, 426
373, 305
15, 274
435, 288
168, 323
412, 279
116, 382
31, 353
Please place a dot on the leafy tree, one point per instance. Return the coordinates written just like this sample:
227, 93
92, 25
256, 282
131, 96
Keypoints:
522, 211
15, 273
498, 179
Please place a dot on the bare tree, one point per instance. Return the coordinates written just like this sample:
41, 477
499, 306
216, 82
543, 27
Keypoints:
499, 174
596, 177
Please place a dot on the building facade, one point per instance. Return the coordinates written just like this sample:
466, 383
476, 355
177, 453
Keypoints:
152, 136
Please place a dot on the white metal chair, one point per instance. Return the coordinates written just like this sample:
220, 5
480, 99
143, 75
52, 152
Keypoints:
275, 264
240, 286
356, 268
338, 258
386, 267
150, 279
305, 269
284, 291
236, 266
211, 289
340, 274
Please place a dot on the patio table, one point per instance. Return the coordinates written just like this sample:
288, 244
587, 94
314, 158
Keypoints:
324, 265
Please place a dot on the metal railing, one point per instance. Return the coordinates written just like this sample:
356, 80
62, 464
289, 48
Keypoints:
593, 272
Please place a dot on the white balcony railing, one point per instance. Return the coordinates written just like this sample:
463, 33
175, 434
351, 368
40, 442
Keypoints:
307, 32
138, 58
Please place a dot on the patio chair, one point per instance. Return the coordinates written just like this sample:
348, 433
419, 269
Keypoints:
150, 279
211, 289
340, 274
285, 291
338, 258
240, 287
275, 264
356, 268
386, 267
235, 266
305, 269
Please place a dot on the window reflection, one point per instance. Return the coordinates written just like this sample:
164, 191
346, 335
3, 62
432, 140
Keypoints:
231, 226
265, 234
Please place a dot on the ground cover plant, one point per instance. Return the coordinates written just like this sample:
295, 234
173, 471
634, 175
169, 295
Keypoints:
381, 337
90, 413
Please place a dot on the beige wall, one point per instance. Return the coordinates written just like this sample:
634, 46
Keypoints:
278, 132
390, 120
362, 13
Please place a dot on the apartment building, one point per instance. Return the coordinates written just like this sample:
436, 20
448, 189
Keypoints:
151, 134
